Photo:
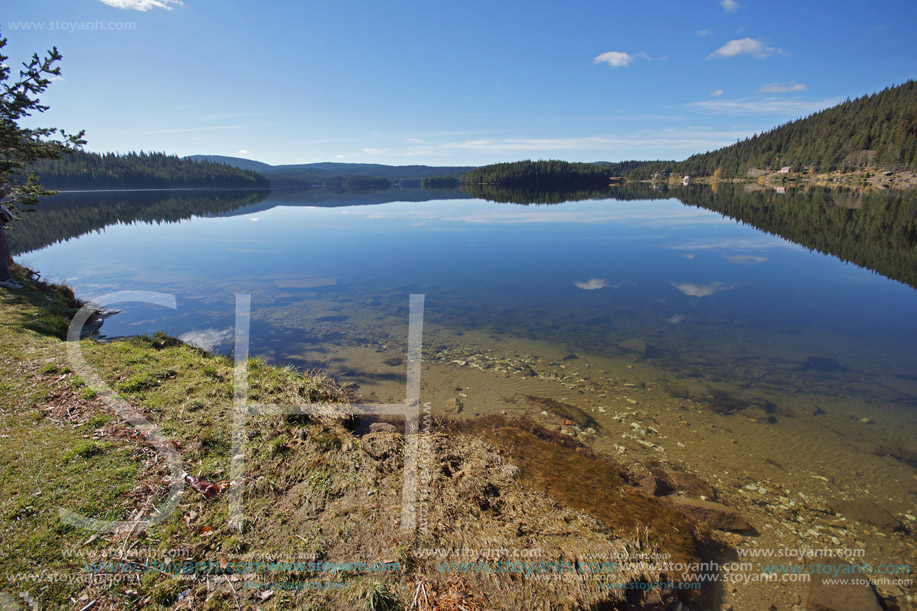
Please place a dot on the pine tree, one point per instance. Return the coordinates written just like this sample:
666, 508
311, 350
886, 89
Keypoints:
20, 146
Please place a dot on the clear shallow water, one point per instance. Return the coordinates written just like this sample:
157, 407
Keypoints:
653, 292
584, 274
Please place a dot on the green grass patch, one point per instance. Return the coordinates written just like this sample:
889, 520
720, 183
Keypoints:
144, 381
49, 369
98, 421
86, 449
48, 464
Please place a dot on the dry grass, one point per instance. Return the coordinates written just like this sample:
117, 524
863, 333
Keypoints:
575, 477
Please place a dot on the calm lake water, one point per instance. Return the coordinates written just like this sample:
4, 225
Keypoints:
742, 349
585, 275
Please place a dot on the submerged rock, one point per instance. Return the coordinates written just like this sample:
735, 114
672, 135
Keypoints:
454, 406
715, 515
688, 388
821, 363
727, 402
897, 451
649, 484
333, 318
685, 483
659, 600
565, 411
828, 594
634, 345
866, 511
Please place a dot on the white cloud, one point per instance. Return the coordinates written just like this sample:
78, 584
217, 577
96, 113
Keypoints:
592, 284
672, 142
703, 32
181, 130
757, 244
617, 59
730, 6
793, 106
223, 116
786, 87
745, 46
716, 93
644, 140
242, 152
207, 339
701, 290
636, 217
751, 259
143, 5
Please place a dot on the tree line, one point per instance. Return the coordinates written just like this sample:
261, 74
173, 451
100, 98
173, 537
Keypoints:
530, 174
69, 215
441, 182
143, 170
525, 195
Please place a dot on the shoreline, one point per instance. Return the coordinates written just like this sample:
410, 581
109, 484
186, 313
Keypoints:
859, 180
160, 190
484, 478
315, 478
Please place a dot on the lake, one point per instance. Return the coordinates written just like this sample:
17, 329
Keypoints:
784, 376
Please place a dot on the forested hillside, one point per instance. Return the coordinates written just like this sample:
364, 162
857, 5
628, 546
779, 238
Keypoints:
540, 175
83, 170
878, 131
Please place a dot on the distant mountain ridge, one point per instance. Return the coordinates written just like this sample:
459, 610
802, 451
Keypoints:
307, 173
236, 162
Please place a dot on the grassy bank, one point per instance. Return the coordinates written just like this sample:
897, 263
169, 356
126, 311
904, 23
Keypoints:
322, 494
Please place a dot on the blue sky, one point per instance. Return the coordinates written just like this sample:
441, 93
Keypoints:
453, 83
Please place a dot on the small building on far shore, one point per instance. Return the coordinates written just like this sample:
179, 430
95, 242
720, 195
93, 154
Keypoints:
786, 169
